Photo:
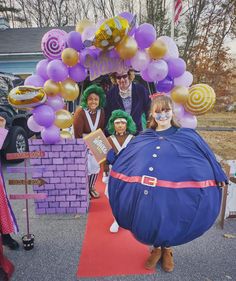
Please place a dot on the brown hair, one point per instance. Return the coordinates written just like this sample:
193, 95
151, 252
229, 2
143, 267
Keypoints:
158, 104
130, 72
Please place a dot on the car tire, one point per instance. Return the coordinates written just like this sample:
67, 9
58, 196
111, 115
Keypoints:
18, 142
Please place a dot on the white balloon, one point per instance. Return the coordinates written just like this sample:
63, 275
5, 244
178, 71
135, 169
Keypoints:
140, 61
186, 79
172, 49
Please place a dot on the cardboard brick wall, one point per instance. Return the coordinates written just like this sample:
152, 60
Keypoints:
66, 176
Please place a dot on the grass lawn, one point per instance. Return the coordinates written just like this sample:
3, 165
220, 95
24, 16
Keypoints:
222, 143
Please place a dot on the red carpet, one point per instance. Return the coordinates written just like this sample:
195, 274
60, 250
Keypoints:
105, 253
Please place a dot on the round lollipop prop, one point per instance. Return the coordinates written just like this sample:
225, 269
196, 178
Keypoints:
200, 100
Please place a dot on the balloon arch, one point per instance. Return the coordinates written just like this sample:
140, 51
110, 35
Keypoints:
113, 44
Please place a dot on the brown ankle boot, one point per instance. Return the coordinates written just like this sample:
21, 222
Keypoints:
167, 260
153, 259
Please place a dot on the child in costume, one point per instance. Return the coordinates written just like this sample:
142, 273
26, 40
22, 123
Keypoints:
121, 127
165, 186
7, 219
88, 118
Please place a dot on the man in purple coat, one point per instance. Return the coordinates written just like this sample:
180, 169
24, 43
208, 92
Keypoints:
128, 96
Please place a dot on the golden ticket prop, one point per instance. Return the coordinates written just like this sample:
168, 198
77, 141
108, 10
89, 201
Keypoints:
98, 144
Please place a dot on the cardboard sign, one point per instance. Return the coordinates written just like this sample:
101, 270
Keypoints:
38, 182
25, 155
103, 65
98, 144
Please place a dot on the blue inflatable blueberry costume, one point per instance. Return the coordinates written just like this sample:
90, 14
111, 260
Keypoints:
163, 187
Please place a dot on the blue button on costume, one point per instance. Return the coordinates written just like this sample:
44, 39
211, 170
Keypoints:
163, 216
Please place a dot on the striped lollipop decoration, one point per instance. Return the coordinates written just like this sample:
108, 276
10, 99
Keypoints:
200, 100
53, 43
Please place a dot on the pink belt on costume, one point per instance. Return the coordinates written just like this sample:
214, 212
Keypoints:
152, 181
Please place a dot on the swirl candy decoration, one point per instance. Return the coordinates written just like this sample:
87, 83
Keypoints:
111, 32
27, 97
53, 43
200, 100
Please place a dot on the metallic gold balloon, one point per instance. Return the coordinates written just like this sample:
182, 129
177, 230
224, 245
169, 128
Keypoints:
127, 48
81, 25
70, 56
201, 99
51, 88
157, 50
27, 97
69, 90
63, 119
179, 94
111, 32
66, 135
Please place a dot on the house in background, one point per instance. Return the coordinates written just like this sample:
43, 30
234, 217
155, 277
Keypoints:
20, 48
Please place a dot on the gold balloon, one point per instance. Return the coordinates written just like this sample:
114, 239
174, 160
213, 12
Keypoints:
51, 88
111, 32
65, 135
157, 50
179, 94
127, 48
70, 56
69, 90
81, 25
63, 119
201, 99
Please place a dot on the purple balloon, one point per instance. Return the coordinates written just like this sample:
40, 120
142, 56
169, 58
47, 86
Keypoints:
176, 67
44, 115
145, 76
145, 35
56, 102
78, 73
33, 126
157, 70
74, 41
165, 85
186, 79
34, 80
51, 135
57, 71
129, 17
188, 121
41, 69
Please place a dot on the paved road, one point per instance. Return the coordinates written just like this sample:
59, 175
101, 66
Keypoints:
58, 246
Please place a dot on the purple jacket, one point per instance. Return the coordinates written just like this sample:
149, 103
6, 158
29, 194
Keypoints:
140, 103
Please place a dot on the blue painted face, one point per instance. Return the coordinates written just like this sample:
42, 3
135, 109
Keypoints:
161, 116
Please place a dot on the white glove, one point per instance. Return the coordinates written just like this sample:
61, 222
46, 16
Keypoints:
105, 179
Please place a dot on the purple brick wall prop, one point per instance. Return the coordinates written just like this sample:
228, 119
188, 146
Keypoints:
66, 176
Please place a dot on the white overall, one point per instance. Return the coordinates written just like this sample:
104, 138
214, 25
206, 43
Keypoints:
93, 166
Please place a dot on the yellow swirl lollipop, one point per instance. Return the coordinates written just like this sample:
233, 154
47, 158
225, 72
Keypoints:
200, 100
111, 32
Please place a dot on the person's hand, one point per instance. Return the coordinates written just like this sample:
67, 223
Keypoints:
221, 184
2, 122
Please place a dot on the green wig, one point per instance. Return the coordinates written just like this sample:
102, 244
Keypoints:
131, 126
93, 89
